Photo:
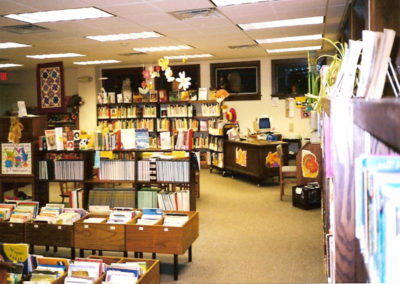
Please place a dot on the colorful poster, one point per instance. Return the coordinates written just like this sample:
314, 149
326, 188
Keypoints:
16, 158
241, 157
309, 164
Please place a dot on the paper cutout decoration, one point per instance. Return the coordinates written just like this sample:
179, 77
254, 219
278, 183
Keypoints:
309, 164
272, 160
184, 82
240, 157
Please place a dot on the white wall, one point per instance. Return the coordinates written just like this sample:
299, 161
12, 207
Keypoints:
21, 86
247, 111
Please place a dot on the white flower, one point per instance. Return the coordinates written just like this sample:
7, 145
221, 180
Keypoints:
168, 74
184, 82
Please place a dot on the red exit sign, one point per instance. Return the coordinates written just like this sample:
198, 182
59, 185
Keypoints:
3, 76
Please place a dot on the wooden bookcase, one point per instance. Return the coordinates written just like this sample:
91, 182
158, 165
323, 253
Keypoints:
362, 133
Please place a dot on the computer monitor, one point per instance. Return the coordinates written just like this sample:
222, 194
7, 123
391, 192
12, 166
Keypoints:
262, 124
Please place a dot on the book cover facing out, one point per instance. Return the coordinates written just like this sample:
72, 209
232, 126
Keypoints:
142, 139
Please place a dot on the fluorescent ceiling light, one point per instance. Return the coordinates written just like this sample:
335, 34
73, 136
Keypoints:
288, 39
283, 23
162, 48
7, 65
294, 49
96, 62
219, 3
115, 37
55, 55
5, 45
190, 56
60, 15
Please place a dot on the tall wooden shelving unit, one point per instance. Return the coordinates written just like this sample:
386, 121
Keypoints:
357, 126
363, 133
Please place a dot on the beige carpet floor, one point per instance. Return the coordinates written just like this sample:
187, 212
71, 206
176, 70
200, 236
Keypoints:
246, 236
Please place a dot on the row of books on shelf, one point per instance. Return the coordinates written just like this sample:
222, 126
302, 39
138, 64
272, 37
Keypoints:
150, 197
117, 170
216, 144
377, 184
61, 169
127, 96
170, 110
105, 112
29, 269
217, 160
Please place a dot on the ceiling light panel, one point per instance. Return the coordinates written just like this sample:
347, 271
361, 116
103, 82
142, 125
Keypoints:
55, 55
162, 48
205, 55
290, 39
128, 36
5, 45
60, 15
108, 61
283, 23
8, 65
220, 3
294, 49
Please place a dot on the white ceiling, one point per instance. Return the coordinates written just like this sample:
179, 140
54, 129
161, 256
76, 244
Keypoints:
209, 35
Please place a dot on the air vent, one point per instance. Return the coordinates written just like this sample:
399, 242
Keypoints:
206, 13
24, 29
243, 46
131, 54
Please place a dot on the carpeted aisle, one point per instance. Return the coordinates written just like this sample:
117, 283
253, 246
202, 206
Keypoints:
248, 236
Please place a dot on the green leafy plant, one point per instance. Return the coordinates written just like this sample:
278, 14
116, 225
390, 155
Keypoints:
329, 78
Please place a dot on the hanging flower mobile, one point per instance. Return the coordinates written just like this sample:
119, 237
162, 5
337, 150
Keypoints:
184, 82
169, 75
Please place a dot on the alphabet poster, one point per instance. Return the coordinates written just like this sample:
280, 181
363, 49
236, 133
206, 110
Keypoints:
16, 158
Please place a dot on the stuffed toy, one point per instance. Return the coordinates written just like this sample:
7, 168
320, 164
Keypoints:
15, 132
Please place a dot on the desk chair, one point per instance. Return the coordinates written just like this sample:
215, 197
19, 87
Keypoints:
285, 172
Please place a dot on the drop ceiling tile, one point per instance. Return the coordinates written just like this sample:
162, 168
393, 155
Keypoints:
181, 5
284, 32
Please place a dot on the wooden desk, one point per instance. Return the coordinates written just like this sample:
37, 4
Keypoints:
254, 156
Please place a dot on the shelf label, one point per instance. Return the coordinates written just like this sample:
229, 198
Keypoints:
86, 226
11, 225
112, 227
59, 227
165, 229
36, 226
140, 228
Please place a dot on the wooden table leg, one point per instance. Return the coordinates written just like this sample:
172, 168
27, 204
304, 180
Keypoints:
190, 254
175, 267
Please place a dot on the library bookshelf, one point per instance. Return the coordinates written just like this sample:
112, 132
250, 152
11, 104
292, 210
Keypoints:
91, 177
362, 133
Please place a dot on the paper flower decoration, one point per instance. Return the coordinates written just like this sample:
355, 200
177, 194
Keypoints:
155, 72
146, 74
163, 63
144, 89
184, 82
184, 59
168, 74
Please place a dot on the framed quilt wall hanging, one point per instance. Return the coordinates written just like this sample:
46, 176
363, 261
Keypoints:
50, 87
